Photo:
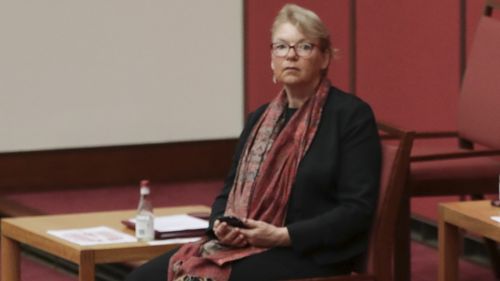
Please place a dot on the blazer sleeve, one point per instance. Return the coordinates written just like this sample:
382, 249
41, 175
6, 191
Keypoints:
356, 189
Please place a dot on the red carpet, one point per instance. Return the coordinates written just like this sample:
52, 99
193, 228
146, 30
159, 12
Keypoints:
425, 266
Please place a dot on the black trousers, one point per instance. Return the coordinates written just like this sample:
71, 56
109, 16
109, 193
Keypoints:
274, 264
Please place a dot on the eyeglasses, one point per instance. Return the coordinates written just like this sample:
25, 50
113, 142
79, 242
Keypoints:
302, 49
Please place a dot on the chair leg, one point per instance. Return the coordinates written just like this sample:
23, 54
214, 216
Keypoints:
402, 251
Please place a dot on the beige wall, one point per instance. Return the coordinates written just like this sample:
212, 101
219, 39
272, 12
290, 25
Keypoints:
98, 73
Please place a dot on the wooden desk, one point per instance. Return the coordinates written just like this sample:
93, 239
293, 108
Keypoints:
473, 216
33, 231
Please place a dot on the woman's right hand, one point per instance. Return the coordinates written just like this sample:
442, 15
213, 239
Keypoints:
228, 235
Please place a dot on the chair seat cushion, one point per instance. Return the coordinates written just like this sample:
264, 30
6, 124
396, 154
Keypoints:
453, 176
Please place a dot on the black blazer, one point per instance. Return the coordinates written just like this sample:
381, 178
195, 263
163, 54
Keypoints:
334, 197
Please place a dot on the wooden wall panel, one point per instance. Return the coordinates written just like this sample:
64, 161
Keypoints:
407, 55
408, 61
73, 168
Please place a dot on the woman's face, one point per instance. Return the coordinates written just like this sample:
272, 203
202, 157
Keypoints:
296, 68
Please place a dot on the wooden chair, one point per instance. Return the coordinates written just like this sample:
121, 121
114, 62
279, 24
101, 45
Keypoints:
478, 116
380, 262
472, 168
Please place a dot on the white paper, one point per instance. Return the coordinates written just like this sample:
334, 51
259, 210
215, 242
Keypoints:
93, 236
178, 223
174, 241
495, 218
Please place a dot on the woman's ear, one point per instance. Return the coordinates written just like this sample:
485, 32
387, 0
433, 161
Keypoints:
272, 65
327, 57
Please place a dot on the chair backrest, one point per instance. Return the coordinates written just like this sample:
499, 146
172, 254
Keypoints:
395, 168
479, 103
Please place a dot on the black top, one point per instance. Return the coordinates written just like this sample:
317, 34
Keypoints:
334, 196
289, 113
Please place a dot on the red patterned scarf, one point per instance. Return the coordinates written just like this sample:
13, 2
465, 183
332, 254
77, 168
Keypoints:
264, 178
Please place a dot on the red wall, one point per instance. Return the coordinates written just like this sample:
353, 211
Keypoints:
407, 52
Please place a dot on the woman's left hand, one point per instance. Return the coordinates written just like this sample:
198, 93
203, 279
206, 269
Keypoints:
262, 234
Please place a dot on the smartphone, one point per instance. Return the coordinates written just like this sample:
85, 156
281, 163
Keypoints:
232, 221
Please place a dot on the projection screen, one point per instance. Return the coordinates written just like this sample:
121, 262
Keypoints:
91, 73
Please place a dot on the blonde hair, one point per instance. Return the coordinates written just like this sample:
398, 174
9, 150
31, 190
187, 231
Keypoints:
307, 22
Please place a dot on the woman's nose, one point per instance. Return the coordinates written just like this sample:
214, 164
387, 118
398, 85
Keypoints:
290, 54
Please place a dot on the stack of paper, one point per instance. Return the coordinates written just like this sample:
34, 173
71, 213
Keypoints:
175, 226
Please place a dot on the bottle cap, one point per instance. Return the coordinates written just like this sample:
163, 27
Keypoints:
145, 187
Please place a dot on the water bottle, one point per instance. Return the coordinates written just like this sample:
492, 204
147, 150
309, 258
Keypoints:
144, 221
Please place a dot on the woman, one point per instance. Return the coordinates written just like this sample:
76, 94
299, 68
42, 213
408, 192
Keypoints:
304, 178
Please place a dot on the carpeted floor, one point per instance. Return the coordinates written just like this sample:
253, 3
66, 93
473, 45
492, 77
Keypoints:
425, 266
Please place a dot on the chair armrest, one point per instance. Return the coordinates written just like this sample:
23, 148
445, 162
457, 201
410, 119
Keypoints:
387, 127
388, 131
356, 277
425, 135
454, 155
435, 134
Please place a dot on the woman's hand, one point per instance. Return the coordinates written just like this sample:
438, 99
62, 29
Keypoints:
228, 235
262, 234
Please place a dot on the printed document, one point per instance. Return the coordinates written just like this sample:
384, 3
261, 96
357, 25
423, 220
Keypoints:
93, 236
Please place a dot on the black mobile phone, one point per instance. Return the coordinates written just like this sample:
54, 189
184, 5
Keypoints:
233, 221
